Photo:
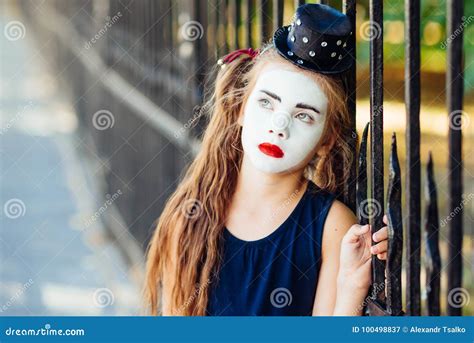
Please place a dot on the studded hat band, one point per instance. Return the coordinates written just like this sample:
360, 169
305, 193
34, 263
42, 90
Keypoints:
329, 48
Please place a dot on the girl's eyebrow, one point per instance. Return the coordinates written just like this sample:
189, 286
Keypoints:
273, 95
298, 105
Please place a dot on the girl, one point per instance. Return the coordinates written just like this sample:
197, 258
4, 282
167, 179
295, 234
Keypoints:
254, 227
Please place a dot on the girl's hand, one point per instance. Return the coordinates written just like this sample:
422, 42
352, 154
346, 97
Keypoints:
356, 255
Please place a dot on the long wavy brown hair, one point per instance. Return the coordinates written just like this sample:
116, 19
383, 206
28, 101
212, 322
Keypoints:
185, 252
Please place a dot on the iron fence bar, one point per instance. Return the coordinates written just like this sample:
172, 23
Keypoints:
433, 258
139, 27
454, 94
361, 185
413, 172
231, 24
249, 16
218, 34
237, 18
349, 7
224, 46
202, 64
212, 32
277, 14
395, 234
266, 26
376, 133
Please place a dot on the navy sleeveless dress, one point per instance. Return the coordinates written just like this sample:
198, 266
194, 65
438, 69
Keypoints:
278, 274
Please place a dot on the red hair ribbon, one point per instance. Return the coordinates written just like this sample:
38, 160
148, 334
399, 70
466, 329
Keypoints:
234, 54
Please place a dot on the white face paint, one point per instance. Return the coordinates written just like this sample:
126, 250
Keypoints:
279, 131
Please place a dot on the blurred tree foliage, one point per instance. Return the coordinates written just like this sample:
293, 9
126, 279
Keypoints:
433, 35
432, 28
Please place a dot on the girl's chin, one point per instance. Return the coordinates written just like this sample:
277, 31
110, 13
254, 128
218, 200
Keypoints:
274, 167
271, 165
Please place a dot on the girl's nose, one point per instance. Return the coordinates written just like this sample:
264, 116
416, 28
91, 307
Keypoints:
282, 134
280, 123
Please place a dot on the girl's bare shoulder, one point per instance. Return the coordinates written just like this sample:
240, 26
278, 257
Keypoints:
339, 214
339, 220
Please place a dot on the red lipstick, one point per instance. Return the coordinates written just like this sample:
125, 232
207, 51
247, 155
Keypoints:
271, 150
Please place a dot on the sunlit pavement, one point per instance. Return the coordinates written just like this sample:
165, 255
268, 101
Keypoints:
55, 257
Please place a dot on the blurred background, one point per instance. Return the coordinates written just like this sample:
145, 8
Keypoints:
100, 117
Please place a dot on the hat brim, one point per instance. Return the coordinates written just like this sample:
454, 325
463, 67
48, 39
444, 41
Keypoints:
279, 40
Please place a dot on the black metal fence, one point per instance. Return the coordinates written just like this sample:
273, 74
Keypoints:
136, 71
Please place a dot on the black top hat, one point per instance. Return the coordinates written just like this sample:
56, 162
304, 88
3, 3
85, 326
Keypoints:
318, 39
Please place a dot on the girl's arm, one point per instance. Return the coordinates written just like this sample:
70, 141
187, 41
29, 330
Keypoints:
345, 273
350, 298
338, 221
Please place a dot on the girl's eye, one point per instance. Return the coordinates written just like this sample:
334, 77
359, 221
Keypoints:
265, 103
305, 117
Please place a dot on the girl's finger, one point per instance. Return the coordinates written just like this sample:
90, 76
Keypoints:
382, 256
381, 234
385, 219
379, 248
355, 231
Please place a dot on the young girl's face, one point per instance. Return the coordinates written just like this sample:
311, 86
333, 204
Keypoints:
283, 120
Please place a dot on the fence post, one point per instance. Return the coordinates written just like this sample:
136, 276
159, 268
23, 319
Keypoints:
349, 7
361, 185
413, 172
395, 234
266, 26
454, 93
376, 133
433, 258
